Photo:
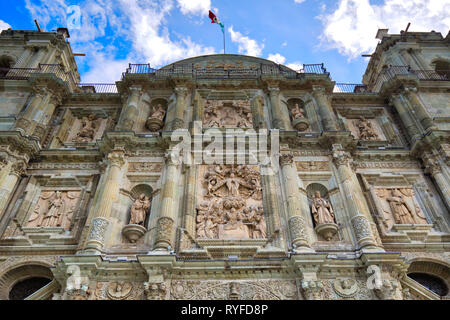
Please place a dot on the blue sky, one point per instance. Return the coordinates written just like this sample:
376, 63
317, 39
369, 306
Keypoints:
292, 32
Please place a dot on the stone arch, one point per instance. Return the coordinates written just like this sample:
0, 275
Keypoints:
442, 66
20, 273
431, 270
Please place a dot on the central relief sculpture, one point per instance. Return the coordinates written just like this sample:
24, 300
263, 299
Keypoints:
230, 203
227, 114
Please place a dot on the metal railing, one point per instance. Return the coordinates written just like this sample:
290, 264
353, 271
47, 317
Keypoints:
350, 88
96, 88
393, 71
225, 72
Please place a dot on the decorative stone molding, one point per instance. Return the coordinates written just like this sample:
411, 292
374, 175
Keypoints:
362, 229
164, 231
98, 229
286, 159
388, 290
345, 288
297, 227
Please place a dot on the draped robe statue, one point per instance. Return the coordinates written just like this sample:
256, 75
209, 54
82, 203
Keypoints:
139, 209
322, 210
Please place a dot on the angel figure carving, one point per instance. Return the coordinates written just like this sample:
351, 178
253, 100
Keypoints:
158, 112
139, 209
297, 112
322, 210
233, 183
88, 129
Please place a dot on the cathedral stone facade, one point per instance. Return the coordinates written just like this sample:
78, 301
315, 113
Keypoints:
98, 201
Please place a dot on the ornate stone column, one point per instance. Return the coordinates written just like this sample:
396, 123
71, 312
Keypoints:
280, 115
165, 222
108, 193
434, 167
296, 201
188, 234
180, 107
408, 122
325, 111
419, 109
24, 123
353, 196
15, 170
129, 111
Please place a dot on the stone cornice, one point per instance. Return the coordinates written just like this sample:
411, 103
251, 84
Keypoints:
19, 144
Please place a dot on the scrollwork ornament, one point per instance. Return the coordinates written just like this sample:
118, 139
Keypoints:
164, 230
99, 226
362, 227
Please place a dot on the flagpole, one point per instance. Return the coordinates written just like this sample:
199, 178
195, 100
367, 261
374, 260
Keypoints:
223, 32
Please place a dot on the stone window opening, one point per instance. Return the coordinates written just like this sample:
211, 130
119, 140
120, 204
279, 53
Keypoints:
442, 68
431, 282
6, 64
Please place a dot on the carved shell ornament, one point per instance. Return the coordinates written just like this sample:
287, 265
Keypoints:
345, 287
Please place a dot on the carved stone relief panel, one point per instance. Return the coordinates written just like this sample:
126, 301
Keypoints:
119, 290
87, 129
229, 204
227, 114
54, 209
235, 290
366, 129
399, 206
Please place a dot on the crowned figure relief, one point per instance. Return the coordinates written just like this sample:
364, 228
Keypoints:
231, 204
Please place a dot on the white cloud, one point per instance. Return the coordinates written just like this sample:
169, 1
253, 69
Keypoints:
141, 23
245, 44
295, 65
4, 25
299, 1
199, 7
277, 58
284, 44
351, 28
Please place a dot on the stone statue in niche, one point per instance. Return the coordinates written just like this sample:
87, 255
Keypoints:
155, 120
322, 210
297, 112
299, 121
230, 206
139, 209
227, 114
135, 229
323, 216
88, 128
366, 131
54, 209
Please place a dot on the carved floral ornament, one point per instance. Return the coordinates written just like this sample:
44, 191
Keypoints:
231, 204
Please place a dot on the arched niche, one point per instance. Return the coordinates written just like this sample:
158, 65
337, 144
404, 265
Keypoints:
325, 225
22, 281
291, 105
442, 67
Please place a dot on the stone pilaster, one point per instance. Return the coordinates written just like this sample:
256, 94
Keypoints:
408, 122
280, 114
130, 109
419, 109
180, 107
434, 167
258, 113
325, 110
166, 219
295, 202
8, 183
359, 212
101, 210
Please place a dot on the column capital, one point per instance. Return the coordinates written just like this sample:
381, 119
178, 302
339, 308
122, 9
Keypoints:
286, 159
116, 157
432, 164
340, 156
410, 90
180, 91
318, 90
18, 168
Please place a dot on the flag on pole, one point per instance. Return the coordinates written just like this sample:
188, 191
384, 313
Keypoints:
214, 19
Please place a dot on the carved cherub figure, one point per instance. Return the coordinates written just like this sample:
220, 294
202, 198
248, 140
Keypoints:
366, 131
158, 112
297, 112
